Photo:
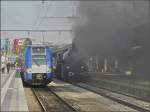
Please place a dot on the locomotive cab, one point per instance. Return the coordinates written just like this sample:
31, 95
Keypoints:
38, 65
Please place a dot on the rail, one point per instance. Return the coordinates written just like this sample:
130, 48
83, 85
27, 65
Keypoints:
113, 96
45, 104
69, 105
39, 100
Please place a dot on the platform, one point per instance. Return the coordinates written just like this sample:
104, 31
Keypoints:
12, 93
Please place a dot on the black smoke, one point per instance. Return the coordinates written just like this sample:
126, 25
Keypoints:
116, 30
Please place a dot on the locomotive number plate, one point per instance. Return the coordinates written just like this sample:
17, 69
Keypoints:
39, 76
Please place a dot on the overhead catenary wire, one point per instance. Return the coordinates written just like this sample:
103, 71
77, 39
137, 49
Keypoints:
45, 14
37, 18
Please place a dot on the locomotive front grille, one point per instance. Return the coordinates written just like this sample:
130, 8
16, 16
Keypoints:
38, 76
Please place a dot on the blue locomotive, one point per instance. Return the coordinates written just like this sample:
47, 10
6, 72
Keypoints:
37, 65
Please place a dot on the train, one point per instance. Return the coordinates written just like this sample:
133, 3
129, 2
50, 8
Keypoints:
75, 70
70, 67
37, 67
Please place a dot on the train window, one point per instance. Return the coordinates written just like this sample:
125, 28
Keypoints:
38, 50
38, 56
38, 62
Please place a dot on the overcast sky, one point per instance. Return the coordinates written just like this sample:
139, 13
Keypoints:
30, 15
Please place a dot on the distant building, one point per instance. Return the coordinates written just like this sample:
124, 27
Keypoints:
5, 45
20, 44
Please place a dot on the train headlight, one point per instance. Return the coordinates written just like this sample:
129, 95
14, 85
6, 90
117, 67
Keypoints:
82, 67
67, 67
49, 70
54, 67
71, 74
29, 70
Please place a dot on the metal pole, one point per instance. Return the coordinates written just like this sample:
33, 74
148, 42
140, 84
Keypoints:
97, 63
105, 64
43, 37
116, 64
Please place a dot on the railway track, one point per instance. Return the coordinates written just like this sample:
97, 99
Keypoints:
129, 89
50, 102
114, 97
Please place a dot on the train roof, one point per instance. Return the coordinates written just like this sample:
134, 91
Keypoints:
37, 45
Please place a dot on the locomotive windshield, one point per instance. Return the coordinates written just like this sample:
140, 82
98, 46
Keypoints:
38, 50
38, 56
38, 62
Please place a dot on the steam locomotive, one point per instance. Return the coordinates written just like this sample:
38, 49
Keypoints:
70, 67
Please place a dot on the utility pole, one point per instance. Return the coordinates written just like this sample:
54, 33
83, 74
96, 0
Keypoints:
43, 38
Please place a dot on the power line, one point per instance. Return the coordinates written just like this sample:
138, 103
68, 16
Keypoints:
37, 18
41, 20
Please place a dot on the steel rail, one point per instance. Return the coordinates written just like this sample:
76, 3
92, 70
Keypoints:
115, 99
50, 91
69, 105
39, 100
